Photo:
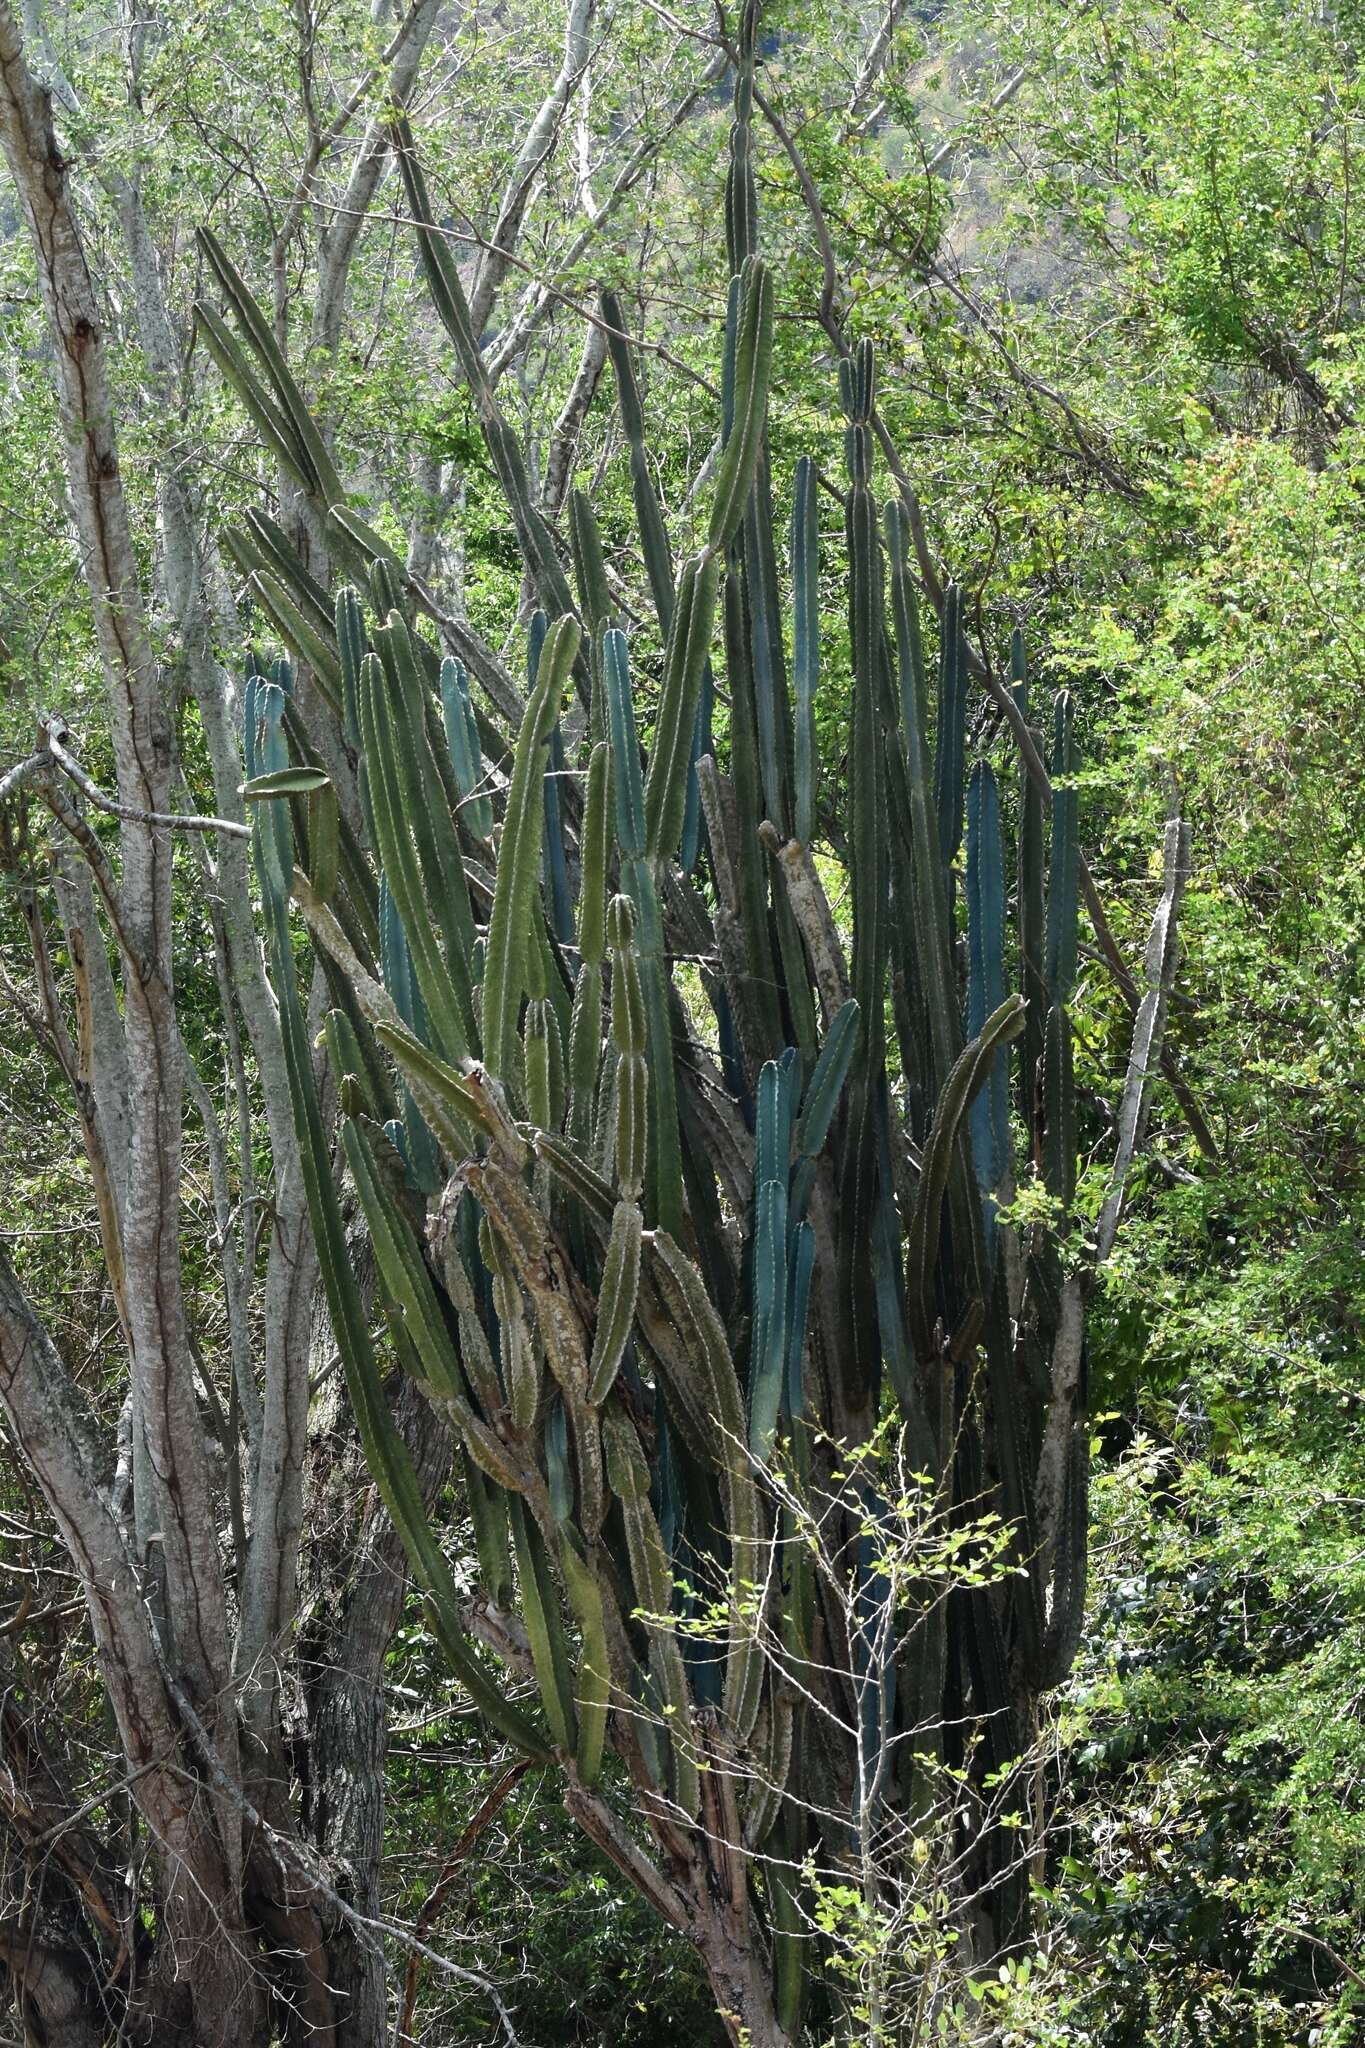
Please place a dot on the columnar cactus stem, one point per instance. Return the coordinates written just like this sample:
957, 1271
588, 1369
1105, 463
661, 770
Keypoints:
651, 1291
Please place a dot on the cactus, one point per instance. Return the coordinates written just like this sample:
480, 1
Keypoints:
631, 1281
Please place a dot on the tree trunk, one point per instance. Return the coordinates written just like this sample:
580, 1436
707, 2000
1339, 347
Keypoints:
742, 1989
204, 1981
360, 1583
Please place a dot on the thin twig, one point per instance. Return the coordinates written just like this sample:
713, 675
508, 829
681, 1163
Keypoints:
1325, 1948
72, 768
470, 234
491, 1805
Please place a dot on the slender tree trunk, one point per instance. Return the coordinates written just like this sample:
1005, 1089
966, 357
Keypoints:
205, 1985
343, 1673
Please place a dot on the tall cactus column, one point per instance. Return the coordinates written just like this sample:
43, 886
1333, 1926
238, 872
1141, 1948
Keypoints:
672, 1279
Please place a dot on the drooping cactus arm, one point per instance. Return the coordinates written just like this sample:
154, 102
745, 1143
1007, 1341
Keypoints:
385, 1451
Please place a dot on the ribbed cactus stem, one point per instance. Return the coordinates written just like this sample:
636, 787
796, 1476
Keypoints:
674, 1089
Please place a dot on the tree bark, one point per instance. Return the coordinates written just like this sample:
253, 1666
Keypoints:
206, 1975
343, 1674
742, 1990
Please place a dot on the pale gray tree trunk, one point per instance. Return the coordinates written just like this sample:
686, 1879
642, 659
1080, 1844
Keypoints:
201, 1837
539, 141
337, 239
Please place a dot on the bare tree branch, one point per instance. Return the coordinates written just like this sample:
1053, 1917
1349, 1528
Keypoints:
541, 297
337, 243
173, 820
537, 144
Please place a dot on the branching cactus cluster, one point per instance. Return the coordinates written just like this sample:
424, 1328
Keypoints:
676, 1191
